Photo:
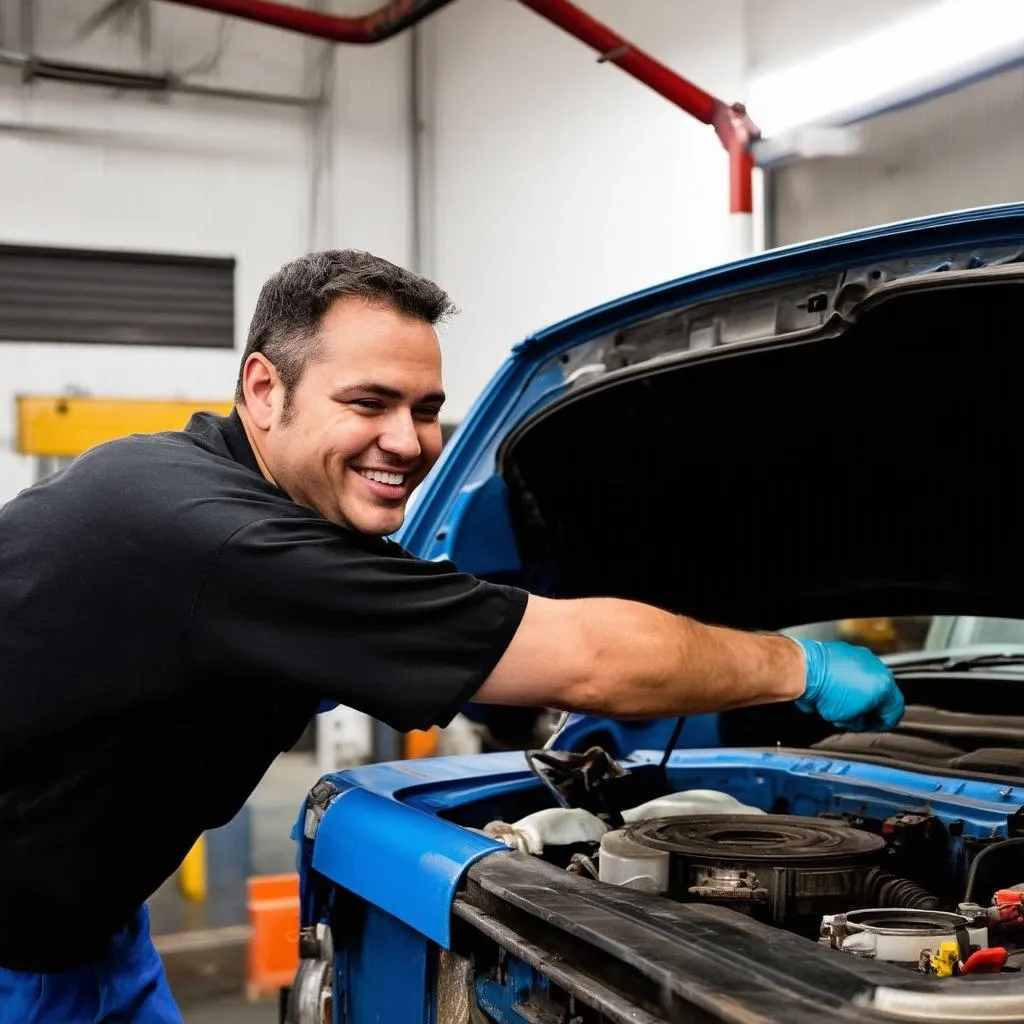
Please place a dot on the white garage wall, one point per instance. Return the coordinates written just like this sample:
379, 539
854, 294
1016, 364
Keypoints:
554, 182
548, 182
84, 167
961, 150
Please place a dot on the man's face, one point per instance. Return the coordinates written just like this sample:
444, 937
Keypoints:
364, 427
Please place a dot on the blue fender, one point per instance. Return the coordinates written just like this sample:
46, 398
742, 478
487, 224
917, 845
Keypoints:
404, 861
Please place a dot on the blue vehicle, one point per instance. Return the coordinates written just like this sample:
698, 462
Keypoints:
810, 439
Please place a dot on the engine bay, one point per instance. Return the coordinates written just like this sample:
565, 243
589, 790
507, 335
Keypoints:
925, 885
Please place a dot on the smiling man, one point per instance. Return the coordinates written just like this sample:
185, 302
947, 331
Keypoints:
175, 607
354, 434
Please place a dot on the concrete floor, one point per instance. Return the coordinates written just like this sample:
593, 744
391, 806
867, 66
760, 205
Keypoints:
231, 1011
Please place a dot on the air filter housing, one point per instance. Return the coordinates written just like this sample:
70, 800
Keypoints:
786, 870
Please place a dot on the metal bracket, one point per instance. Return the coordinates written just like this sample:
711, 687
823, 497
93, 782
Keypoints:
619, 51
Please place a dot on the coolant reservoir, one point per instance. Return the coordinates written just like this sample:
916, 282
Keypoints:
626, 862
689, 801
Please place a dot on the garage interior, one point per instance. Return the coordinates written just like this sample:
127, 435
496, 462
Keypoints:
534, 157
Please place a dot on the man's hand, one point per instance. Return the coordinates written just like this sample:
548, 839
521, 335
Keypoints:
849, 687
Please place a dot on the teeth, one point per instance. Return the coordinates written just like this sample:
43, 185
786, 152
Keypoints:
396, 479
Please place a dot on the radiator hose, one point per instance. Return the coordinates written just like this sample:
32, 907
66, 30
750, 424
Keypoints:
882, 889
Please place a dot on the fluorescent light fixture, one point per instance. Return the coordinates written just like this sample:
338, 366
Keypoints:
946, 44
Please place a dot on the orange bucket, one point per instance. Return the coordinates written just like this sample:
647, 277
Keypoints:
273, 956
421, 743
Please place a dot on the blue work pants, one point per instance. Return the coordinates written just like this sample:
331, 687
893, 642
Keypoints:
127, 985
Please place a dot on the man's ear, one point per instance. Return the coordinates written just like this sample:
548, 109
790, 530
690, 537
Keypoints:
262, 388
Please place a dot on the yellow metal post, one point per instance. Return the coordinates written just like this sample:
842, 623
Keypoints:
192, 873
63, 426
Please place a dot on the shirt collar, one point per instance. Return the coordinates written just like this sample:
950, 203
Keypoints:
226, 436
238, 443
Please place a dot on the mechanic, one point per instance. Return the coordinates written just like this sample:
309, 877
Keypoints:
175, 607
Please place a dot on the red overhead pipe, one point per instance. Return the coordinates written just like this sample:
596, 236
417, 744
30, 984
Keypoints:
733, 127
374, 27
615, 50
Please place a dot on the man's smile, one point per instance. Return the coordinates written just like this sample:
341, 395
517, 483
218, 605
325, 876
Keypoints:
385, 484
383, 476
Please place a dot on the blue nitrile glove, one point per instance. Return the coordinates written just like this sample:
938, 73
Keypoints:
849, 687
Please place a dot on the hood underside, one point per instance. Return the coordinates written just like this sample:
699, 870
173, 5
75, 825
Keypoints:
872, 470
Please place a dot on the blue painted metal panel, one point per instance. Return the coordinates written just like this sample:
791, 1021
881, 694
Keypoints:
401, 779
518, 388
479, 530
395, 857
502, 994
385, 973
993, 225
813, 784
524, 382
444, 784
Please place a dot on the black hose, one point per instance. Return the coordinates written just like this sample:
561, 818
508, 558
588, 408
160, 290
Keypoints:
972, 874
672, 740
882, 889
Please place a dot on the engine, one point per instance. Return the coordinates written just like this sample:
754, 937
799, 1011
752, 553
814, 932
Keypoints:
784, 870
884, 890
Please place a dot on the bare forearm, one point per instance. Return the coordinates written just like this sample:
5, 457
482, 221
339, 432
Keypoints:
628, 660
673, 665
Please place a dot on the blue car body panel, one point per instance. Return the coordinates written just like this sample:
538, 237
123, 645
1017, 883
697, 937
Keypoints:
529, 379
388, 834
439, 785
416, 862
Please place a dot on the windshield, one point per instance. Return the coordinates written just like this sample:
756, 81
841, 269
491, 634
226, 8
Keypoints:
903, 637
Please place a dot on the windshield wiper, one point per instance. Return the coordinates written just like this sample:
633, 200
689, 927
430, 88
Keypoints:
957, 662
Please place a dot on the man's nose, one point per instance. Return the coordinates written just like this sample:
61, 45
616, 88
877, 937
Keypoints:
400, 437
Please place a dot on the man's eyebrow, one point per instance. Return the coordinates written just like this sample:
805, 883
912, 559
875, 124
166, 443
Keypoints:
383, 391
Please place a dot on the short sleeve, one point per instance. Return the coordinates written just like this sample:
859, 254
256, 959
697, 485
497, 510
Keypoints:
307, 607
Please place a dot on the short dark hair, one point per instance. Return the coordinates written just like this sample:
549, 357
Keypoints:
286, 322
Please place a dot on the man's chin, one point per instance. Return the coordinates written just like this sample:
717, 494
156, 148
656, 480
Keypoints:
376, 524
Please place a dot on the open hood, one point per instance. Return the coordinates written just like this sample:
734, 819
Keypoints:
870, 468
822, 432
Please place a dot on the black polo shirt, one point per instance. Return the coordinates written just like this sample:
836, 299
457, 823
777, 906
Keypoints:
169, 621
